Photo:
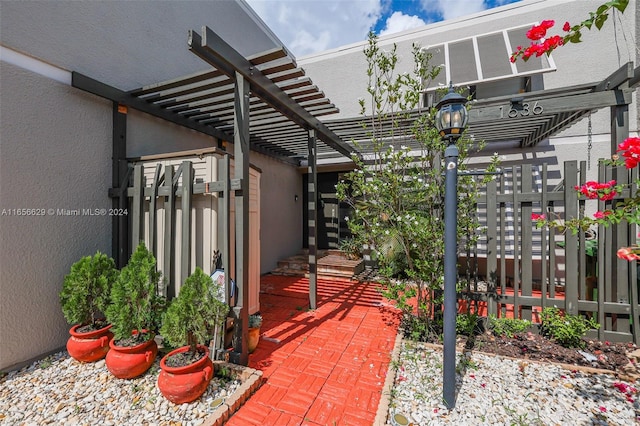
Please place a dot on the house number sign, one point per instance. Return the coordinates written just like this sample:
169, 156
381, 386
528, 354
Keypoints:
524, 111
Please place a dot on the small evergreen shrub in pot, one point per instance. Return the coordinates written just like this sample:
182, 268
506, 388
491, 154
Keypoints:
84, 299
135, 312
186, 372
255, 322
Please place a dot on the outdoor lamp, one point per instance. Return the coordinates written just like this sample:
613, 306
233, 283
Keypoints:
452, 117
451, 120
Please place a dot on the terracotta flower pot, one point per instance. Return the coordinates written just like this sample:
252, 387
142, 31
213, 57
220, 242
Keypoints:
91, 346
188, 383
127, 362
254, 336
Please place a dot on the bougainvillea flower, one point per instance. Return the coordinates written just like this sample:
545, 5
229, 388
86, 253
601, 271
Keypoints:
550, 44
602, 215
596, 190
627, 253
631, 152
539, 31
566, 27
535, 216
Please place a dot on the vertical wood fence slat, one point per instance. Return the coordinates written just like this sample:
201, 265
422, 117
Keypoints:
503, 244
571, 239
187, 188
517, 277
552, 254
525, 208
633, 271
601, 277
137, 231
224, 227
169, 231
123, 221
609, 266
153, 213
492, 245
582, 270
621, 289
544, 284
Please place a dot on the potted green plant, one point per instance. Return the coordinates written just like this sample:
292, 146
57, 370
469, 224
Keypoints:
136, 308
255, 322
84, 299
185, 372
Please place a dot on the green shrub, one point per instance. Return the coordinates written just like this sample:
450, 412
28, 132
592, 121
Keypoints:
192, 315
85, 291
508, 327
567, 330
467, 324
136, 300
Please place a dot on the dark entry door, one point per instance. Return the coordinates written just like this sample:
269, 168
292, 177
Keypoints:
332, 227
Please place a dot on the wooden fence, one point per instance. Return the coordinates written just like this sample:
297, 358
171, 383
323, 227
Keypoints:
517, 270
171, 191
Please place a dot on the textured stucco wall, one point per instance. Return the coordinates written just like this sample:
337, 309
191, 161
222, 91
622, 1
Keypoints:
54, 154
126, 44
280, 213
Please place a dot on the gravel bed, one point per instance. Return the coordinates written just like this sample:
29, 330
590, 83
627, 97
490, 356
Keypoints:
62, 391
493, 390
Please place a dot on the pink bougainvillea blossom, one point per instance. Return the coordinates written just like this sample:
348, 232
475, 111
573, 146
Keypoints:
535, 216
539, 31
566, 27
630, 148
602, 215
596, 190
627, 253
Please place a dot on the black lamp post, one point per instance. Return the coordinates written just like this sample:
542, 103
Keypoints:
451, 120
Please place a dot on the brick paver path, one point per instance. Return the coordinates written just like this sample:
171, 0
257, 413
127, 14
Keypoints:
322, 367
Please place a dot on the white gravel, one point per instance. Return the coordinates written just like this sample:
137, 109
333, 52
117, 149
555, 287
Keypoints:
493, 390
62, 391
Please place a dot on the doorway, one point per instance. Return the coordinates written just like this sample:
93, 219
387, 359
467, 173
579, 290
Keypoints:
332, 226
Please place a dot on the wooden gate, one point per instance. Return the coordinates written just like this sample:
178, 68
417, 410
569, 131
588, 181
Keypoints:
525, 269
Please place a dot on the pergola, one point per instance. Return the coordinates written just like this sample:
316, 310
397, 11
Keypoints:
266, 104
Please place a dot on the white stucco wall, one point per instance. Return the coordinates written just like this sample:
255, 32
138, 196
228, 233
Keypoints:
55, 145
281, 214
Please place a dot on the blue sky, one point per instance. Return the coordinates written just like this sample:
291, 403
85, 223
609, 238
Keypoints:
309, 26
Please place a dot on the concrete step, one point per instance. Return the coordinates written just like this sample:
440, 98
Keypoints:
330, 263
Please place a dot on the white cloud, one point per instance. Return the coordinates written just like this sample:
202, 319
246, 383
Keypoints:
308, 26
398, 21
449, 9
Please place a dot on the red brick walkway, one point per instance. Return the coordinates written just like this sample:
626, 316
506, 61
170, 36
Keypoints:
322, 367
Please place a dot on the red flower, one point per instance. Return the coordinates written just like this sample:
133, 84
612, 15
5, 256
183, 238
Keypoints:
626, 253
551, 43
535, 216
631, 148
602, 215
603, 409
602, 191
566, 27
539, 31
